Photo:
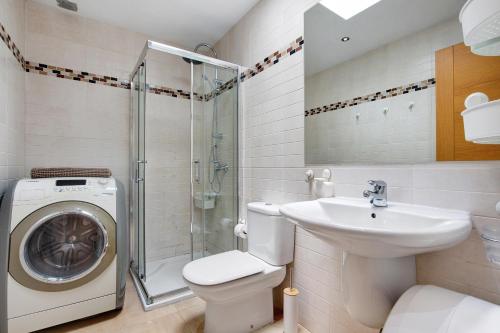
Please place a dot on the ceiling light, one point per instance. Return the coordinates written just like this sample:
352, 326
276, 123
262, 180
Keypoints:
348, 8
345, 39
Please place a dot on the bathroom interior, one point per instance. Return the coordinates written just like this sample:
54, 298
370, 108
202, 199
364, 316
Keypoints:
313, 166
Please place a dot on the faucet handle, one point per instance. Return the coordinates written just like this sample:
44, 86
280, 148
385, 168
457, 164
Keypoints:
378, 196
379, 186
377, 182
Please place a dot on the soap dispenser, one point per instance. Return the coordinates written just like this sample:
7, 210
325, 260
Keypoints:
323, 187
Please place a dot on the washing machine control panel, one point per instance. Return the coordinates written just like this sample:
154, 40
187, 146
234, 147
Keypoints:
31, 190
70, 188
71, 185
79, 185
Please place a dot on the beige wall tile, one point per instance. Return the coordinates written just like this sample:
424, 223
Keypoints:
269, 163
12, 96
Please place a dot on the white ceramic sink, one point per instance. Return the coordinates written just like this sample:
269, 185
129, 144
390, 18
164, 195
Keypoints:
398, 230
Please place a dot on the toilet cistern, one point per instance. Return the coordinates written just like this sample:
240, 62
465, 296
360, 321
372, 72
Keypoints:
378, 194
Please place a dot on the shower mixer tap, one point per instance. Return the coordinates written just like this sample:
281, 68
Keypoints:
221, 166
219, 136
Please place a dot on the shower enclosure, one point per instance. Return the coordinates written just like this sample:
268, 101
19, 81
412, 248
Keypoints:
184, 166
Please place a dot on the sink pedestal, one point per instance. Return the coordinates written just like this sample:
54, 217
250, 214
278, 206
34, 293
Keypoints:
371, 286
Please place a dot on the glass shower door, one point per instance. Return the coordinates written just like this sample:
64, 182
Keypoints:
215, 160
137, 163
141, 164
167, 149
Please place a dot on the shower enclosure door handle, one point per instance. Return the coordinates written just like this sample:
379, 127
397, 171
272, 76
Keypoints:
196, 167
138, 178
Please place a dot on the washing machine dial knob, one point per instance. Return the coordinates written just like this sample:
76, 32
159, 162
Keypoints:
103, 181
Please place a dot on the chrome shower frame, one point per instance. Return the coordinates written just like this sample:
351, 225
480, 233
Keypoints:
146, 299
165, 48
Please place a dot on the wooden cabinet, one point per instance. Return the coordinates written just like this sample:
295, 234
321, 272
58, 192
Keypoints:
460, 73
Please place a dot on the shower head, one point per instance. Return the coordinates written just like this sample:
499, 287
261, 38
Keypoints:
208, 46
196, 62
69, 5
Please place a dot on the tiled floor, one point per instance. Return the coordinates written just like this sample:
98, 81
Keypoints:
183, 317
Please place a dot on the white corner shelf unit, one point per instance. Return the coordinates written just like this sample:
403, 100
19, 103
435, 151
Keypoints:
481, 26
482, 123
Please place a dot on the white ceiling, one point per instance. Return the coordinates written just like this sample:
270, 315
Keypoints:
385, 22
183, 22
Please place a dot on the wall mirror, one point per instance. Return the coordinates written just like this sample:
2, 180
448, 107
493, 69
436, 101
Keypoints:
375, 83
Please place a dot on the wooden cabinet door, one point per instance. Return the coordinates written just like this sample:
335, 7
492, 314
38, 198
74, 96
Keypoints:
460, 73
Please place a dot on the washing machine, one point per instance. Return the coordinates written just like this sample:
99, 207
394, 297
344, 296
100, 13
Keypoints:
64, 251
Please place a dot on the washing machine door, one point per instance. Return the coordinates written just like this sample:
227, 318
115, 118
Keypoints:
62, 246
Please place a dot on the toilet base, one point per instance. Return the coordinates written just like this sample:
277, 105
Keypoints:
242, 315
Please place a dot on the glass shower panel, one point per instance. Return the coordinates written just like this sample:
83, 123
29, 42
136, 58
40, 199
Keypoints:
198, 162
133, 196
141, 160
215, 160
137, 174
167, 172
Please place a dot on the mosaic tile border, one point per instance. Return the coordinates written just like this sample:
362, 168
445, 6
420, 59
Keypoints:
389, 93
83, 76
177, 93
70, 74
273, 59
11, 45
222, 89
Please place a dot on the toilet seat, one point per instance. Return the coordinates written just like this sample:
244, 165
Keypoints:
432, 309
247, 275
222, 268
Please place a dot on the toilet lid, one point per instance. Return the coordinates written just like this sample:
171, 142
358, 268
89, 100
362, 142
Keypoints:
222, 268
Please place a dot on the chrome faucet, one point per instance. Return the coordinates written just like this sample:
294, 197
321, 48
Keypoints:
378, 195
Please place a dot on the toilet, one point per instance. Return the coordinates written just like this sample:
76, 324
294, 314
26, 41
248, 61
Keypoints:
237, 286
432, 309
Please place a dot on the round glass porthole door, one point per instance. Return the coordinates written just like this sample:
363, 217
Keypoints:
62, 246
